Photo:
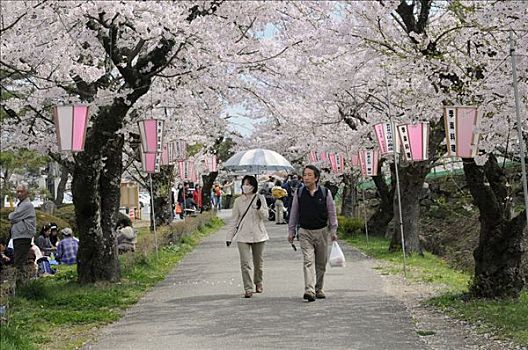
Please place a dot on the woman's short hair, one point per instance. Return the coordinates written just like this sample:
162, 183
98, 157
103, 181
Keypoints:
252, 181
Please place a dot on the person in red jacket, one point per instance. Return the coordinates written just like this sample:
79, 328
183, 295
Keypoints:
197, 197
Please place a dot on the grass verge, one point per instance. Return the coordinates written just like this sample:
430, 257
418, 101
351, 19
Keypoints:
508, 319
57, 313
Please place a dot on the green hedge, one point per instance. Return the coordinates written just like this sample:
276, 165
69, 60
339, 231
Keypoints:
350, 226
67, 213
64, 217
42, 218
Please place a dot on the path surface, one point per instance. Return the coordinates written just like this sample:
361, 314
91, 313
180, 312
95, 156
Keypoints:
200, 306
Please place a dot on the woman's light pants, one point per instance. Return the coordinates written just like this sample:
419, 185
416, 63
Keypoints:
248, 251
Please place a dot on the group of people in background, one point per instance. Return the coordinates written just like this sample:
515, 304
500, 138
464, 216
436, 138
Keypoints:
279, 197
32, 256
187, 200
222, 195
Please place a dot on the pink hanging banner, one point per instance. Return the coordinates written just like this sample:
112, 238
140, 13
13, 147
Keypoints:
71, 123
341, 161
333, 162
415, 141
187, 165
165, 155
462, 137
369, 162
323, 156
193, 176
150, 162
385, 134
80, 123
151, 132
181, 150
355, 159
212, 163
181, 169
312, 157
177, 150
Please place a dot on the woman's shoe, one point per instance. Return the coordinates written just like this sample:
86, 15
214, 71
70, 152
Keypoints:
248, 294
258, 288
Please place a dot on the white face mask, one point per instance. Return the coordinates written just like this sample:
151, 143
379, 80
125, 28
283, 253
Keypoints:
247, 189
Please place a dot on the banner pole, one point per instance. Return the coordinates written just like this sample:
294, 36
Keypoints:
153, 216
365, 215
519, 124
396, 161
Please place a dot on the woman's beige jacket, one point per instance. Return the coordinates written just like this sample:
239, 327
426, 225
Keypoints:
251, 229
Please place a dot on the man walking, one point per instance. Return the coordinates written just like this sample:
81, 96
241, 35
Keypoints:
23, 227
313, 209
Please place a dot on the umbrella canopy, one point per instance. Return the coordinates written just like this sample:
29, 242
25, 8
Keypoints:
257, 161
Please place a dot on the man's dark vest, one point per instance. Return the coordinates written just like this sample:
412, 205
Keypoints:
313, 212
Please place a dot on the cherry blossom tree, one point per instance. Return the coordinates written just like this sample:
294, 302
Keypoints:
111, 55
431, 54
314, 74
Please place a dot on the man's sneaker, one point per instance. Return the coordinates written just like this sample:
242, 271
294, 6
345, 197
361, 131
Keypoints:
309, 296
320, 294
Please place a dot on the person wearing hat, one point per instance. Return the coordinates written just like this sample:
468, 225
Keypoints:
68, 247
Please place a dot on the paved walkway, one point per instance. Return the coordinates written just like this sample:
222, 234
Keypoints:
200, 306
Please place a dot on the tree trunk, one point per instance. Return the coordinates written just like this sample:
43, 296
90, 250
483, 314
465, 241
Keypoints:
412, 178
498, 255
96, 191
62, 186
162, 183
349, 202
208, 181
378, 223
5, 187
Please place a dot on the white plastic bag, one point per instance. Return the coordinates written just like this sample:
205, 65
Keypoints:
337, 258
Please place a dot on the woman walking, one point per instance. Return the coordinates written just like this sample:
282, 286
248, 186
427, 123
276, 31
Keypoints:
249, 212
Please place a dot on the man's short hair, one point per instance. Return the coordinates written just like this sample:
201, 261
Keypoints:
316, 171
23, 185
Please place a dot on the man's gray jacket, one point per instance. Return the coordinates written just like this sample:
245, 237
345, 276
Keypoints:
23, 220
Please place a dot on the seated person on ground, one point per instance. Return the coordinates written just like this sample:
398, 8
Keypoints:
54, 235
68, 247
126, 236
5, 257
34, 255
43, 240
190, 205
